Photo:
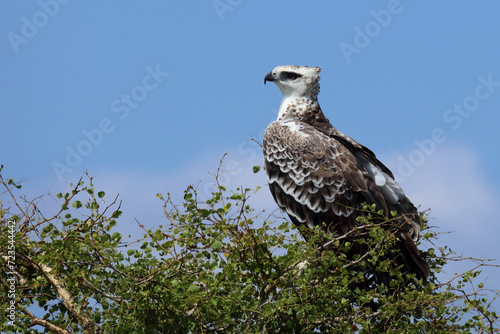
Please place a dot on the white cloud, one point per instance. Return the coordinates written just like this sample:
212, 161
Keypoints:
451, 184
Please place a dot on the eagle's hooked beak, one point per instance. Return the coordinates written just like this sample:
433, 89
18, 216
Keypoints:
269, 77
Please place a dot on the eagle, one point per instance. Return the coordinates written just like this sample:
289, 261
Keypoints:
322, 177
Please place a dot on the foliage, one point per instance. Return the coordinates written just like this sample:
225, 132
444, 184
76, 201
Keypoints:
215, 266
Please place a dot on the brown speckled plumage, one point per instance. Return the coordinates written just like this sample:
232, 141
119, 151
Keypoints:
319, 175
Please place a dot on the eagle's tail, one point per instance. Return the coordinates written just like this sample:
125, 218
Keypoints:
411, 258
405, 254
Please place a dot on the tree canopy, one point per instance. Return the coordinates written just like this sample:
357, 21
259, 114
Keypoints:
216, 266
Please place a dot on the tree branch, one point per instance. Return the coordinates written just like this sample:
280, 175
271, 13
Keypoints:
88, 326
37, 321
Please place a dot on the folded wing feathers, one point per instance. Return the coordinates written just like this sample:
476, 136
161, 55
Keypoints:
319, 175
308, 175
312, 170
390, 189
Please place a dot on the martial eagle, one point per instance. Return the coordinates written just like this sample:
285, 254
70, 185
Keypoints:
319, 175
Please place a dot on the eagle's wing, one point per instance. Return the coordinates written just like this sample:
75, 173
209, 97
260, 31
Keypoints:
394, 196
320, 178
315, 178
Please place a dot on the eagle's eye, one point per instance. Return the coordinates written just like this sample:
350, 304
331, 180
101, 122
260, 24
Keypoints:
292, 76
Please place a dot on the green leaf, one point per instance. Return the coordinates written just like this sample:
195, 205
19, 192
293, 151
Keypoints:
77, 204
236, 196
116, 236
116, 214
193, 288
217, 246
100, 194
256, 169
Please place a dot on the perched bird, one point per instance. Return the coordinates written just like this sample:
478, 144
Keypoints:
320, 176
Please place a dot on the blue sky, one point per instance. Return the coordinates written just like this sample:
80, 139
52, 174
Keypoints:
148, 96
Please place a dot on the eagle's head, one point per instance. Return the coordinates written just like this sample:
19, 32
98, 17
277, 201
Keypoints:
296, 81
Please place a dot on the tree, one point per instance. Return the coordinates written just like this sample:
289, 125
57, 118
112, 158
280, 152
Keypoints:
215, 266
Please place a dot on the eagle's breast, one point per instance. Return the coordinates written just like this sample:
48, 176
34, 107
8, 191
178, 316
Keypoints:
304, 170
